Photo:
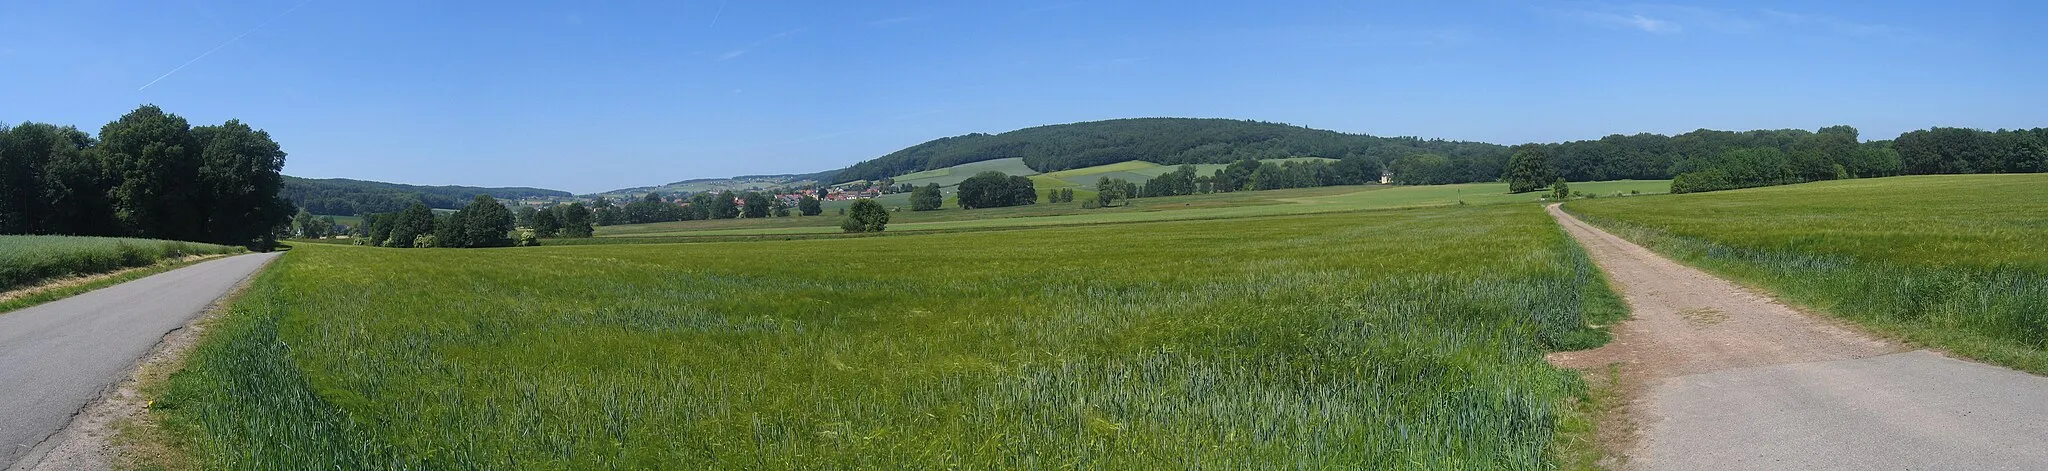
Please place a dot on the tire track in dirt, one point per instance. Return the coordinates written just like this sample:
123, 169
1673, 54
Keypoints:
1716, 376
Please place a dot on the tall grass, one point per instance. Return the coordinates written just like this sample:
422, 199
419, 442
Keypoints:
26, 260
1406, 339
1954, 262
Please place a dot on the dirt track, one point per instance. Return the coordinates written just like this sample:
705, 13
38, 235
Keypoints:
1718, 377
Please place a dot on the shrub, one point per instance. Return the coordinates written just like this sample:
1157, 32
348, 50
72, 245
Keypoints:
866, 216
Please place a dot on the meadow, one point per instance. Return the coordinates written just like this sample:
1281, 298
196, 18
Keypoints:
26, 260
1380, 340
1190, 207
1139, 171
1953, 262
953, 175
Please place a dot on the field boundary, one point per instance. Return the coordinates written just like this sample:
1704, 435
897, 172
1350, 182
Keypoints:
60, 288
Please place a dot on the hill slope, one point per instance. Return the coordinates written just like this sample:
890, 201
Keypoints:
342, 196
1165, 141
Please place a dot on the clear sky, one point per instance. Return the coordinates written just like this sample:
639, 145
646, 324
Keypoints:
591, 96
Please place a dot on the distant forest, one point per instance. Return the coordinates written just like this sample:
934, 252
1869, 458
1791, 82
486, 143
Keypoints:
1165, 141
1702, 160
341, 196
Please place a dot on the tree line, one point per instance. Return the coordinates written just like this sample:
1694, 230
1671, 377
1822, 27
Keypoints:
1715, 159
994, 190
346, 197
485, 222
149, 174
655, 207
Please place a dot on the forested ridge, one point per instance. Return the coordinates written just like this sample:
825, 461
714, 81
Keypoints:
341, 196
1166, 141
1701, 160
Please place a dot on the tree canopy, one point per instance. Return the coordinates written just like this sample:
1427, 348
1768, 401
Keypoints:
865, 215
1529, 169
149, 174
995, 190
926, 198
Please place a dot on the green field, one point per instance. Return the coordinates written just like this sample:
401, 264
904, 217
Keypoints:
1954, 262
1409, 339
1137, 171
1208, 206
27, 260
953, 175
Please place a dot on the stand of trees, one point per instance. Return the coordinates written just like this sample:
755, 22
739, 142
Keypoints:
149, 174
1957, 150
485, 222
926, 198
1529, 169
865, 215
357, 197
809, 206
995, 190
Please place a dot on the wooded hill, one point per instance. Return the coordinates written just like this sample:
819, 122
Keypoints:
1167, 141
341, 196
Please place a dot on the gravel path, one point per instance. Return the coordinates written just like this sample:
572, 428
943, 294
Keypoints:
58, 357
1716, 376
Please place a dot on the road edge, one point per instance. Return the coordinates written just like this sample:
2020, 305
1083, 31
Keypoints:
109, 429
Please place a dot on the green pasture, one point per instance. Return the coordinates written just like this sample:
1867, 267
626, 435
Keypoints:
953, 175
1404, 339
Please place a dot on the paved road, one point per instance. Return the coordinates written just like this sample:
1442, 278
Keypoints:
56, 357
1727, 379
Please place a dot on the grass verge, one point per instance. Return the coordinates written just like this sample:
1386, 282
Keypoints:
52, 290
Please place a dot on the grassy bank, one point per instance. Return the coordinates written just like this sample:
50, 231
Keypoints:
28, 260
1408, 339
1954, 262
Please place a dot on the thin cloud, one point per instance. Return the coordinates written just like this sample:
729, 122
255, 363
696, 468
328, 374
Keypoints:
736, 53
919, 114
894, 21
1833, 25
1635, 21
1051, 7
237, 37
1111, 63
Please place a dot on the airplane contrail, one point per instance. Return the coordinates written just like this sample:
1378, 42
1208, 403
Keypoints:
721, 12
224, 44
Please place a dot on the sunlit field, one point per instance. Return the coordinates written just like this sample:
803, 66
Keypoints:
1376, 340
1209, 206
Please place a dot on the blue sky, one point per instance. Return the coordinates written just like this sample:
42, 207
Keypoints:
590, 96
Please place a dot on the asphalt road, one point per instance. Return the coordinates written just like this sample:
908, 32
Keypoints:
1720, 377
57, 357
